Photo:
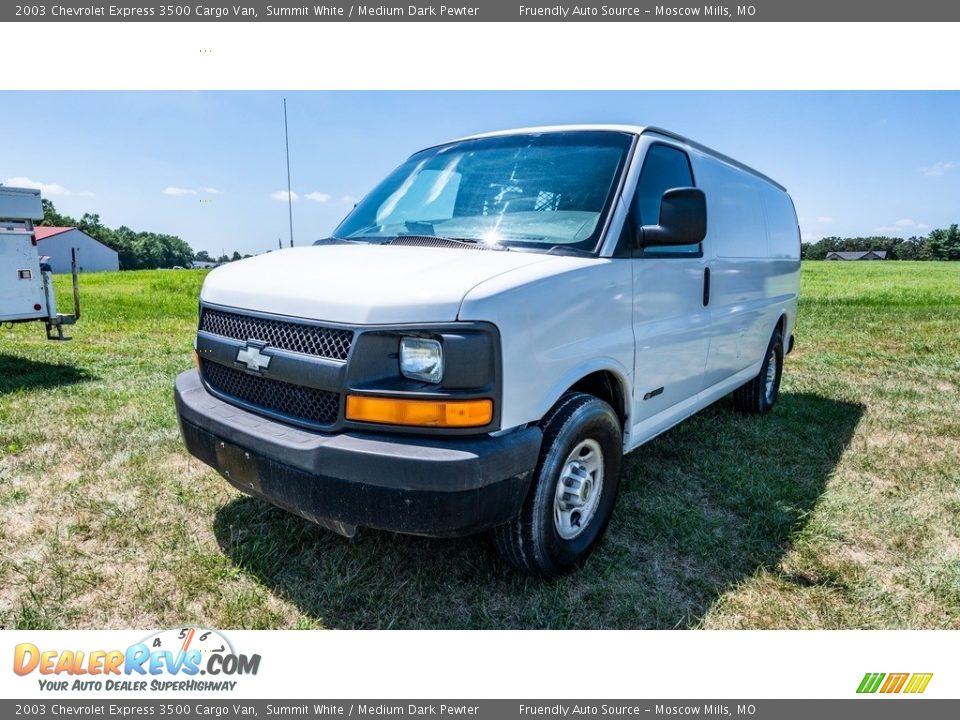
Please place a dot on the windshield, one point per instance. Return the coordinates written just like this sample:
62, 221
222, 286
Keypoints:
532, 191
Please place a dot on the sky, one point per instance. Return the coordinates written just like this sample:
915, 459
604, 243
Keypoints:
210, 166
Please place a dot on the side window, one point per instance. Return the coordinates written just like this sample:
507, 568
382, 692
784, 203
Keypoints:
664, 168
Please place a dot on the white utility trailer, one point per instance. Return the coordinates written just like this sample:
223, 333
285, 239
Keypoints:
26, 281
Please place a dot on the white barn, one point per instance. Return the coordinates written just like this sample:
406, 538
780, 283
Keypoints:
92, 255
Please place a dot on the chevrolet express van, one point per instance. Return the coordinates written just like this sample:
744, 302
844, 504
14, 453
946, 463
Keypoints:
490, 330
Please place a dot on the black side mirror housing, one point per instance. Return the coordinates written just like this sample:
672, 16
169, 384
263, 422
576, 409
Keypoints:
683, 219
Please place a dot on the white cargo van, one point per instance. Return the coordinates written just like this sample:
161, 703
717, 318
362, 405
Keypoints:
490, 330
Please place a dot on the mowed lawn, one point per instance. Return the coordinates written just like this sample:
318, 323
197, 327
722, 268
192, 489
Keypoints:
841, 509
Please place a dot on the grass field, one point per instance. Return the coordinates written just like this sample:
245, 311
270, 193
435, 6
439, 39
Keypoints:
841, 509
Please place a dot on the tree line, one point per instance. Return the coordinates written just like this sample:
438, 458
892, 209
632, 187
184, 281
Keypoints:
137, 250
940, 244
204, 256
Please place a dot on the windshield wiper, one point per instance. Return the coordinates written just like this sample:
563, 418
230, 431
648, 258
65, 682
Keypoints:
492, 244
569, 250
336, 241
413, 239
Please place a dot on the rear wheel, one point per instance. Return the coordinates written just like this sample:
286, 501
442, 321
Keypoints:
573, 490
760, 394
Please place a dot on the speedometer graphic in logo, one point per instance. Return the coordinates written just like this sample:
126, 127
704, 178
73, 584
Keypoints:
182, 640
189, 651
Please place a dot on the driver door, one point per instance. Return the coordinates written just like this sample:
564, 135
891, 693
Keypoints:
670, 320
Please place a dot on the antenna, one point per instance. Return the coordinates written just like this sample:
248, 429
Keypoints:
286, 139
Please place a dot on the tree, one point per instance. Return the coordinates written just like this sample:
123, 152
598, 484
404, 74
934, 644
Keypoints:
907, 249
945, 244
236, 256
203, 256
123, 238
51, 218
953, 242
937, 243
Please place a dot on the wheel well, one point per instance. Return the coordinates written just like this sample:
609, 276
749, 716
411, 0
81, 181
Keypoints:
606, 386
787, 341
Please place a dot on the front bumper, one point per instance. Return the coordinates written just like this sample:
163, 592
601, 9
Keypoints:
437, 486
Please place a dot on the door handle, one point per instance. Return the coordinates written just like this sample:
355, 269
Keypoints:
706, 286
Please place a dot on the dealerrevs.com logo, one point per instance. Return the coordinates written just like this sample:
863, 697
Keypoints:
182, 659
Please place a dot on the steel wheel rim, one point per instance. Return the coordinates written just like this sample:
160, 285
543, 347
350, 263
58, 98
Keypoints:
578, 489
771, 381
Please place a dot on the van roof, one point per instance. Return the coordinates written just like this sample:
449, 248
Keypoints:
633, 130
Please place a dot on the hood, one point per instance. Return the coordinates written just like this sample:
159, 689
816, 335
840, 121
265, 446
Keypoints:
360, 284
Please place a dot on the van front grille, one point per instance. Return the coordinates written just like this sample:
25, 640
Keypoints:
296, 402
316, 340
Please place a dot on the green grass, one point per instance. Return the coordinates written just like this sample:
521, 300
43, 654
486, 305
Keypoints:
841, 509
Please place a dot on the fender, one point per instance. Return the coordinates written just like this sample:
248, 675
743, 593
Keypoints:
578, 373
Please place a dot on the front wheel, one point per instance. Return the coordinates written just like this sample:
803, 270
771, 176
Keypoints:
759, 395
573, 490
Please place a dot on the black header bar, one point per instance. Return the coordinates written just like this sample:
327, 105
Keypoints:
480, 11
52, 707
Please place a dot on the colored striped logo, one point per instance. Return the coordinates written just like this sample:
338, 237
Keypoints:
894, 683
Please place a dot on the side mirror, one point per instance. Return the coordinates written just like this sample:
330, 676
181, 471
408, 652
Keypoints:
683, 219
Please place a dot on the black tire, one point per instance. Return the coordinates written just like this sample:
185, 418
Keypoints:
532, 542
756, 398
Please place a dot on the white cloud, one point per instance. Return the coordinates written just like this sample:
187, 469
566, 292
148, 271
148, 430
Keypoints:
178, 191
175, 191
48, 189
908, 223
824, 220
901, 226
938, 168
316, 196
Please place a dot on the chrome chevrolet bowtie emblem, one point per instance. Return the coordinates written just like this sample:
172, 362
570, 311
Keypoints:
253, 358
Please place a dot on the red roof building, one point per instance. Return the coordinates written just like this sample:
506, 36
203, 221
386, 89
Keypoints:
57, 243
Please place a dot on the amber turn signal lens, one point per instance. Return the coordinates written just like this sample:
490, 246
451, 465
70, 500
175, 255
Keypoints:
420, 413
196, 359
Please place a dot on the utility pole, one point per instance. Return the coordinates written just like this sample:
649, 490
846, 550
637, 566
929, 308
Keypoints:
286, 137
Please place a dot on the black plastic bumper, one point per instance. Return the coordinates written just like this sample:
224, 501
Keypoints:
442, 487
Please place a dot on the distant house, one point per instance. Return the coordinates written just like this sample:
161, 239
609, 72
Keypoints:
858, 255
92, 255
204, 264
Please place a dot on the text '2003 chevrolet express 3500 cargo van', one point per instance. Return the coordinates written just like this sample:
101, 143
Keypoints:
490, 330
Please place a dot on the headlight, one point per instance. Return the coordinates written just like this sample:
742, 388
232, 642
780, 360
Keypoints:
421, 359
